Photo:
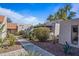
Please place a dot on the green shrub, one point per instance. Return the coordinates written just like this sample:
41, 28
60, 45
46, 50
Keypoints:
31, 35
17, 33
24, 33
1, 42
41, 33
27, 33
11, 39
67, 48
21, 32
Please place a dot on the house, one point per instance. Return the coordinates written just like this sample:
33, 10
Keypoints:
69, 32
66, 31
6, 27
23, 26
54, 26
12, 28
3, 26
50, 25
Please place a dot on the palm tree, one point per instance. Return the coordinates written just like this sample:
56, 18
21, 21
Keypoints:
64, 13
61, 14
67, 8
51, 17
71, 15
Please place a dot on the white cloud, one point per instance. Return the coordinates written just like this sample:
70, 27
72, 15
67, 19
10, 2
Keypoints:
18, 18
32, 20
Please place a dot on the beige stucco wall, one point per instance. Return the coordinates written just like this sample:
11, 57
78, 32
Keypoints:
57, 29
65, 33
4, 32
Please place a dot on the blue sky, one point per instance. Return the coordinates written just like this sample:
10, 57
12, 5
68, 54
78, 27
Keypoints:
32, 13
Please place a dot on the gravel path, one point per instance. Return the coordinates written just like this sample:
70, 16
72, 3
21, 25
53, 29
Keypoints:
31, 47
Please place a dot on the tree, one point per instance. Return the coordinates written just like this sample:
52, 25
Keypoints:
71, 15
67, 8
9, 20
64, 13
51, 17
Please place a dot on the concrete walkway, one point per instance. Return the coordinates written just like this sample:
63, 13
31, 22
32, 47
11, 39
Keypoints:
28, 46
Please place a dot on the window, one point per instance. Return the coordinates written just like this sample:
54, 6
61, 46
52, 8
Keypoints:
74, 34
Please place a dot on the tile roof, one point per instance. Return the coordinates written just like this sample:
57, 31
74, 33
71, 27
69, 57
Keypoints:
2, 19
11, 26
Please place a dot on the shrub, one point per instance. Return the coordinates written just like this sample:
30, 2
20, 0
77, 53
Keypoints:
1, 42
24, 33
42, 33
17, 33
27, 33
11, 39
67, 48
21, 32
32, 36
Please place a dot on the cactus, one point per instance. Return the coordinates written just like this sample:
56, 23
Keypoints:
67, 48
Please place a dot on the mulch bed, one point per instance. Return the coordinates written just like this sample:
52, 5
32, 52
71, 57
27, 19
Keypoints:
7, 48
56, 49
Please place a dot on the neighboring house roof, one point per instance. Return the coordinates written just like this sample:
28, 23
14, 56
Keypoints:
52, 22
11, 26
24, 26
2, 19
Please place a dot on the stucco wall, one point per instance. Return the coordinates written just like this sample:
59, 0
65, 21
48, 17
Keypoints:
57, 29
4, 32
65, 33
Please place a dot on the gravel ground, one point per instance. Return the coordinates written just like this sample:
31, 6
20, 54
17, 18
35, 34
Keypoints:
19, 52
56, 49
7, 48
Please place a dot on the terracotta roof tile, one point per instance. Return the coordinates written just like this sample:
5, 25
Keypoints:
11, 26
2, 19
